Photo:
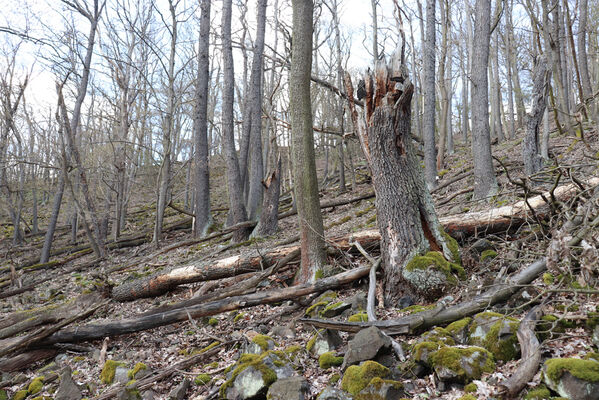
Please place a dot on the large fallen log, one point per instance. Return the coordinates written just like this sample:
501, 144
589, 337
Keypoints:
230, 266
418, 322
144, 322
459, 226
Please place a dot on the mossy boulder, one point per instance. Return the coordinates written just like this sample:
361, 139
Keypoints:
331, 393
357, 378
549, 327
320, 303
20, 395
488, 255
461, 364
431, 274
251, 376
459, 331
438, 335
421, 352
323, 341
539, 393
572, 378
109, 371
328, 360
260, 343
139, 371
36, 385
334, 309
381, 389
471, 388
496, 333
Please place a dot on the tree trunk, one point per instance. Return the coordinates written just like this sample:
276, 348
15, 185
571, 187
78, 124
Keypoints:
268, 223
408, 227
530, 148
234, 184
485, 183
304, 164
201, 159
582, 55
428, 87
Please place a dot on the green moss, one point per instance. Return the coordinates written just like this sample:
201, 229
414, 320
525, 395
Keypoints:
423, 350
3, 395
488, 255
138, 367
311, 311
246, 361
591, 356
78, 358
451, 358
442, 172
548, 278
312, 341
503, 349
262, 341
437, 260
471, 388
467, 397
364, 211
213, 321
592, 320
202, 379
328, 360
107, 374
238, 316
549, 326
331, 306
457, 326
36, 385
540, 393
416, 308
356, 378
453, 246
371, 220
209, 347
440, 335
20, 395
318, 275
212, 365
359, 317
332, 380
582, 369
291, 350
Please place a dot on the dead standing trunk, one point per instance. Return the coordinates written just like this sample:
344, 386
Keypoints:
530, 149
408, 227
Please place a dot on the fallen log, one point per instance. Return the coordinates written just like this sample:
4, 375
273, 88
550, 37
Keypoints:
145, 322
230, 266
531, 354
25, 360
417, 322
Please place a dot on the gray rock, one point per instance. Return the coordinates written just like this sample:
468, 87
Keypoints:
293, 388
366, 345
248, 384
334, 309
331, 393
358, 302
148, 395
324, 341
382, 390
284, 332
481, 245
128, 393
67, 390
180, 391
60, 358
281, 368
404, 302
595, 335
121, 374
570, 386
255, 348
496, 331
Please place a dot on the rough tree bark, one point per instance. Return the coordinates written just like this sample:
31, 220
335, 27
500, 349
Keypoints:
202, 174
428, 123
530, 148
304, 164
484, 175
408, 227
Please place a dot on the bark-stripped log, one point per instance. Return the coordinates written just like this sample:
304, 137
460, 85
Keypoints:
531, 354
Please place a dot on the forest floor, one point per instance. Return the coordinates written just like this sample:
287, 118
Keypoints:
573, 160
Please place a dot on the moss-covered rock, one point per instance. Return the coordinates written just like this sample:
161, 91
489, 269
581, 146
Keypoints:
138, 371
572, 377
496, 333
202, 379
468, 397
459, 330
471, 388
324, 340
356, 378
107, 374
431, 274
36, 385
422, 351
20, 395
461, 364
334, 309
488, 255
539, 393
358, 317
381, 389
328, 360
260, 344
549, 327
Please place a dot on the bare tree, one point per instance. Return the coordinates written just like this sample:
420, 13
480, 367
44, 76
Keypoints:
428, 87
306, 184
530, 148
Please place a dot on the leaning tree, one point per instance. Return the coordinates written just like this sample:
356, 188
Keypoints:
419, 258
